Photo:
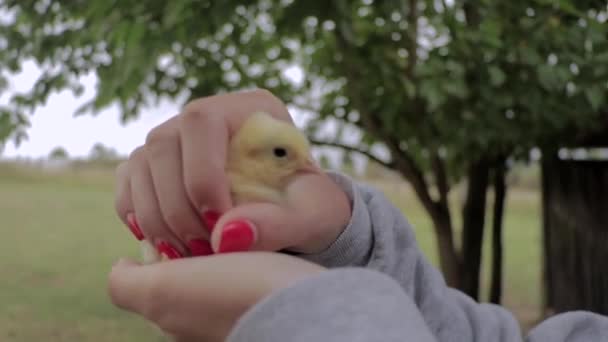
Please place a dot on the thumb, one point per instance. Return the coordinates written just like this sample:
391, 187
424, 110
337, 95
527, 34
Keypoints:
125, 284
256, 226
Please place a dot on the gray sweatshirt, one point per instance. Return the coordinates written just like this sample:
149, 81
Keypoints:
380, 287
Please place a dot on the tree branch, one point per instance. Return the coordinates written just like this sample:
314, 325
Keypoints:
406, 164
471, 13
355, 149
403, 162
500, 193
441, 179
412, 48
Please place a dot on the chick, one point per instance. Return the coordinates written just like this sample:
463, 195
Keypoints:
263, 156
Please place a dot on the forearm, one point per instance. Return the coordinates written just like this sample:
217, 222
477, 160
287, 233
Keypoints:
341, 305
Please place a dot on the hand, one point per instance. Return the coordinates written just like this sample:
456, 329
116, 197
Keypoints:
172, 189
200, 299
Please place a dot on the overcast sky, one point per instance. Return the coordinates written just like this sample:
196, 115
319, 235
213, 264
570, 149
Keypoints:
54, 125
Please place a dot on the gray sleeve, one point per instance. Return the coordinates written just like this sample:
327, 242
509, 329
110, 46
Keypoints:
379, 237
340, 305
575, 326
409, 302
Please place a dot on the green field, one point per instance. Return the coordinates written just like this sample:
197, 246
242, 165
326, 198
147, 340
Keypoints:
61, 236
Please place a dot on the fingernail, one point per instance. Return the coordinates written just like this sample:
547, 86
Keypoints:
134, 227
210, 218
167, 250
236, 236
200, 247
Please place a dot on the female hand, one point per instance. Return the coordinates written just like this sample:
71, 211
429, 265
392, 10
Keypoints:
200, 299
172, 189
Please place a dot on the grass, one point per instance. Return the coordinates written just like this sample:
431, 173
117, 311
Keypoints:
59, 239
60, 236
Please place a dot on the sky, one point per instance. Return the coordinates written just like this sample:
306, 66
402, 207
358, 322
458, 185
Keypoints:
54, 125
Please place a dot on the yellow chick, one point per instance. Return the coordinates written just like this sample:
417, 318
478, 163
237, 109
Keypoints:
263, 155
262, 158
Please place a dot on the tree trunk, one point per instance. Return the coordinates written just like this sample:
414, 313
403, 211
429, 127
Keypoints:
449, 259
500, 192
575, 200
473, 224
546, 193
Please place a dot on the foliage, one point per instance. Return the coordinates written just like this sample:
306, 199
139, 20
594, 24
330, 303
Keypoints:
99, 152
524, 73
59, 153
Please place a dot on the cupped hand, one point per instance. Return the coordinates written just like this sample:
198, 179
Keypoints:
200, 299
174, 192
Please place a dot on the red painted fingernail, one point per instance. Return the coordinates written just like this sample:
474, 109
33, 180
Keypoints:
134, 227
236, 236
168, 250
200, 247
210, 218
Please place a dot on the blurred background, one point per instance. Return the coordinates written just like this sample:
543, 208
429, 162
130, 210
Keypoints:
485, 121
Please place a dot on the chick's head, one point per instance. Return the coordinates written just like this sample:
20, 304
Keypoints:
269, 150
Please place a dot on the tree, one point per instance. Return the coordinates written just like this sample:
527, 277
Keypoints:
450, 88
59, 153
99, 152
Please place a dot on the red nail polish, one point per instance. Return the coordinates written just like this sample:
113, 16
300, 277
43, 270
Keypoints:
134, 227
210, 218
200, 247
236, 236
168, 250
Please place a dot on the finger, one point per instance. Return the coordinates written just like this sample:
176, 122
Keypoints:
256, 226
307, 220
147, 209
163, 293
206, 126
204, 141
122, 200
126, 285
163, 153
122, 193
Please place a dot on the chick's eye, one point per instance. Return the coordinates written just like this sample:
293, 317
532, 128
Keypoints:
279, 152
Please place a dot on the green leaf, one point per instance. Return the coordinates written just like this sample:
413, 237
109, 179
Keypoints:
529, 55
431, 91
173, 13
547, 77
410, 88
490, 30
457, 89
596, 96
497, 76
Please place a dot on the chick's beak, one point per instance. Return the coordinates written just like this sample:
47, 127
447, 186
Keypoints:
309, 166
